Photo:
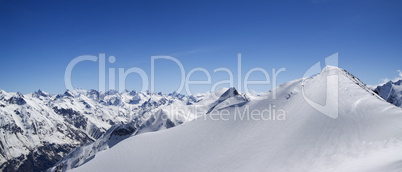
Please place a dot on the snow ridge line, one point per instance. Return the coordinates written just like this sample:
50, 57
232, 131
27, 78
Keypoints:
360, 83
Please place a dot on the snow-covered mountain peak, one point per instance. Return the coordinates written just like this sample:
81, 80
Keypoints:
68, 93
398, 82
331, 70
228, 99
13, 98
229, 93
111, 92
330, 67
40, 93
391, 92
176, 95
94, 95
133, 93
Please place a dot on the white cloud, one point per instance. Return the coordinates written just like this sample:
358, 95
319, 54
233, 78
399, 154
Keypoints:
385, 80
397, 78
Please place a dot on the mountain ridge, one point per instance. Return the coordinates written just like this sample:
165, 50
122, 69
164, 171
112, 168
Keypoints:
391, 92
40, 125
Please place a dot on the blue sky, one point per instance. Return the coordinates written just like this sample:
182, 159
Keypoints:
38, 39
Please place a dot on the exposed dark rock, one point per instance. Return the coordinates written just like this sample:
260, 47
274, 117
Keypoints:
18, 99
41, 159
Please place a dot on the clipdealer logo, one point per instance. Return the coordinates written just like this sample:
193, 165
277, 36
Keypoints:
330, 107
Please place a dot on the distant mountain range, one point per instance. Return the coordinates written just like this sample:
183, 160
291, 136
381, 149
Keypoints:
39, 129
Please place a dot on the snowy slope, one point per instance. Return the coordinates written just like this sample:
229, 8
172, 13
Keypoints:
39, 129
157, 119
391, 92
365, 136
